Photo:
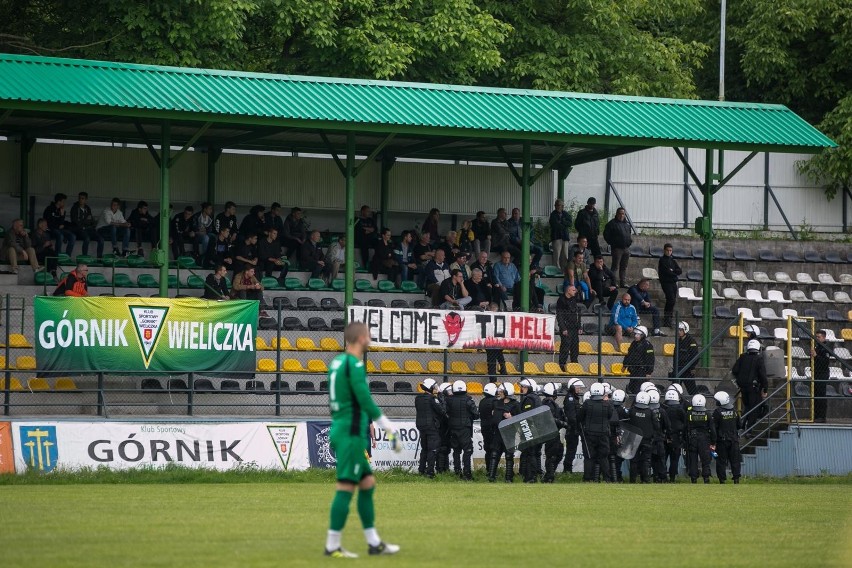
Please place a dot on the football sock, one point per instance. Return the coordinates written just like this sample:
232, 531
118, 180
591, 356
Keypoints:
367, 512
340, 510
372, 536
332, 541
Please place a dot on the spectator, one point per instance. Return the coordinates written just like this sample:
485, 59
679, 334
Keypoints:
44, 247
568, 314
216, 284
404, 254
588, 224
494, 356
246, 286
478, 290
560, 234
83, 224
641, 300
577, 275
113, 226
461, 264
144, 228
822, 374
254, 223
273, 220
506, 274
430, 227
639, 361
686, 358
484, 265
202, 226
581, 246
365, 233
245, 255
618, 234
514, 222
336, 256
60, 229
227, 218
536, 295
624, 319
669, 271
312, 258
17, 246
481, 233
269, 256
219, 252
452, 294
295, 231
450, 245
384, 258
423, 253
74, 284
181, 231
435, 272
500, 236
602, 281
464, 240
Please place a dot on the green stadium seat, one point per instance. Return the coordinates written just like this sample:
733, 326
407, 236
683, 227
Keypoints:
552, 271
45, 278
409, 286
269, 283
122, 280
147, 281
338, 284
64, 260
293, 284
135, 261
195, 282
317, 284
186, 262
97, 279
173, 280
363, 285
86, 259
387, 286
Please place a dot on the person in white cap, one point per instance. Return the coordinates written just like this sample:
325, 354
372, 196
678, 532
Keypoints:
750, 374
429, 413
505, 407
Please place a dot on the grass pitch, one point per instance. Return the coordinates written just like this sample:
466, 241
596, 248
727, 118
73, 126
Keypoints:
255, 520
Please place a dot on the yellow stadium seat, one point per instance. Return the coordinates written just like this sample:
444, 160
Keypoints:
14, 384
389, 367
593, 370
3, 362
330, 344
732, 332
587, 349
511, 369
531, 368
575, 369
266, 366
480, 368
306, 344
435, 367
552, 368
65, 384
517, 389
846, 334
292, 366
460, 368
18, 341
669, 349
280, 343
474, 388
624, 347
26, 363
849, 315
607, 348
260, 344
617, 369
37, 384
371, 367
412, 366
317, 366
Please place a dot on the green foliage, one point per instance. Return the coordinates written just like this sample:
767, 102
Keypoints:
833, 168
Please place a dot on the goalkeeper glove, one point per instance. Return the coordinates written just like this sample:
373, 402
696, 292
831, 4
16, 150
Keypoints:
390, 432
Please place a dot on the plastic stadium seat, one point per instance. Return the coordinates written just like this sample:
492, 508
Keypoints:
687, 294
306, 304
586, 348
376, 303
282, 303
669, 349
743, 254
820, 296
656, 251
399, 304
460, 368
421, 304
830, 337
293, 283
767, 256
25, 363
229, 385
266, 365
177, 385
480, 368
639, 251
777, 296
44, 278
719, 276
146, 281
305, 386
387, 286
769, 314
96, 279
151, 385
273, 387
306, 344
19, 341
530, 368
194, 282
260, 344
338, 284
694, 275
390, 366
756, 296
280, 344
842, 353
721, 254
474, 388
413, 367
362, 285
833, 257
789, 313
402, 386
682, 254
762, 277
732, 294
323, 386
813, 256
65, 384
812, 313
552, 271
436, 367
317, 366
552, 368
575, 369
650, 273
330, 344
607, 348
371, 367
804, 278
723, 312
37, 384
269, 283
828, 279
834, 316
291, 323
292, 366
317, 324
409, 286
203, 385
780, 333
748, 315
740, 276
337, 324
783, 278
791, 256
799, 296
698, 252
617, 369
511, 369
597, 372
317, 284
846, 334
330, 305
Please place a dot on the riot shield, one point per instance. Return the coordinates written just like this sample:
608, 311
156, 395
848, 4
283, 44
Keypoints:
631, 437
528, 429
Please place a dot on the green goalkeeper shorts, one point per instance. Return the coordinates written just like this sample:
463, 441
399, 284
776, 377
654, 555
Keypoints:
351, 454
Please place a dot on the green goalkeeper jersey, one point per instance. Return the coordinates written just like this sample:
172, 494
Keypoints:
349, 397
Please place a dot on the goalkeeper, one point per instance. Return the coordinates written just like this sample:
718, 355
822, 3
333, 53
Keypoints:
352, 408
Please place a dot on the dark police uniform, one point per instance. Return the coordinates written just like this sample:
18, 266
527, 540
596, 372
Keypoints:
442, 463
553, 449
486, 410
529, 467
658, 445
616, 461
639, 363
572, 429
750, 373
675, 436
596, 417
498, 449
640, 465
461, 412
429, 415
700, 433
726, 422
687, 350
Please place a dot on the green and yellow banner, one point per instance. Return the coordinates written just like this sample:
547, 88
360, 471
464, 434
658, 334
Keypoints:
145, 334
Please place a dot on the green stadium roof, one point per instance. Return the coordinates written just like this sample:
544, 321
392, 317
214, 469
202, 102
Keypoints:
93, 100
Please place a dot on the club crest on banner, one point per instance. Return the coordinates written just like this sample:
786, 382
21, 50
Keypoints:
39, 447
282, 437
148, 322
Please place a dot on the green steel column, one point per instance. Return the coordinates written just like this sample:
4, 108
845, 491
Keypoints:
561, 175
213, 155
707, 277
26, 146
350, 222
525, 228
387, 164
163, 251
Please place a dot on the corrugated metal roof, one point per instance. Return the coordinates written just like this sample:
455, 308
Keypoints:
42, 83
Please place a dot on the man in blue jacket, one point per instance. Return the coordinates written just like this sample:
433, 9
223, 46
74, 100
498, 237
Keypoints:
641, 300
623, 319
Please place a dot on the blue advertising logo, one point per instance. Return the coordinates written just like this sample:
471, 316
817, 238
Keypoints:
38, 446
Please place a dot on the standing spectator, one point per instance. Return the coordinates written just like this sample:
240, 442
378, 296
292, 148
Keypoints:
143, 227
83, 224
450, 245
227, 218
435, 272
641, 300
181, 231
506, 275
44, 248
60, 229
514, 222
18, 247
365, 233
461, 264
618, 234
465, 237
404, 254
686, 358
269, 256
588, 224
113, 226
577, 275
624, 319
245, 254
423, 254
312, 258
669, 271
216, 285
536, 295
493, 355
452, 294
479, 292
481, 233
582, 247
384, 259
430, 227
640, 360
560, 234
295, 231
484, 265
202, 226
821, 374
336, 256
273, 219
246, 286
500, 236
568, 320
219, 251
254, 223
74, 284
602, 281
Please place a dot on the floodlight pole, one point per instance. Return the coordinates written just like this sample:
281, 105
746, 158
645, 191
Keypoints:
162, 255
525, 227
349, 174
707, 273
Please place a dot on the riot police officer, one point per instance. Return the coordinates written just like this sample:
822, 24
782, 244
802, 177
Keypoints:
658, 442
643, 418
596, 417
429, 414
570, 406
504, 407
461, 412
750, 374
700, 432
726, 442
621, 415
553, 448
676, 414
529, 401
486, 409
442, 462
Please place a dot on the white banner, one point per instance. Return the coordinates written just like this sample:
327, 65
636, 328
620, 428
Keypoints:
408, 328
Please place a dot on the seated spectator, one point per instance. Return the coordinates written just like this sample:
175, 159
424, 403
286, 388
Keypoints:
577, 275
202, 226
246, 286
74, 283
481, 234
461, 264
452, 294
435, 272
43, 247
500, 241
641, 300
180, 231
384, 258
478, 290
484, 265
365, 233
17, 246
216, 285
404, 254
336, 256
464, 240
582, 247
60, 229
602, 281
623, 319
536, 295
430, 227
143, 226
226, 218
514, 222
254, 223
450, 245
273, 219
312, 258
269, 256
219, 251
506, 275
639, 361
113, 226
295, 232
423, 253
245, 254
83, 224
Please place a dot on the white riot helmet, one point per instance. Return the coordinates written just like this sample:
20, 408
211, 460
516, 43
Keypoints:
753, 345
672, 396
654, 399
607, 388
641, 329
527, 383
586, 396
618, 396
577, 384
429, 385
445, 387
676, 387
644, 387
643, 399
509, 388
683, 326
597, 391
698, 402
550, 389
750, 328
723, 399
490, 389
459, 386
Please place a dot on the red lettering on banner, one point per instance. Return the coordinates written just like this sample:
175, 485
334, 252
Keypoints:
516, 327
